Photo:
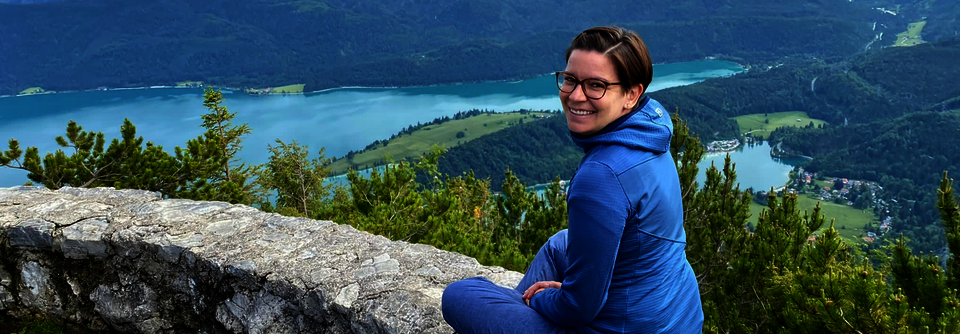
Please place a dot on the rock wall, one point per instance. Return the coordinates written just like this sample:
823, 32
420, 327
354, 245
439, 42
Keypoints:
127, 261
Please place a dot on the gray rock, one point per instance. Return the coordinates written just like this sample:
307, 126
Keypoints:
127, 305
37, 292
261, 313
32, 233
5, 296
84, 239
126, 194
130, 262
5, 278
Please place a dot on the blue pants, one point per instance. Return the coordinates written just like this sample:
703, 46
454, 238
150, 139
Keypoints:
477, 305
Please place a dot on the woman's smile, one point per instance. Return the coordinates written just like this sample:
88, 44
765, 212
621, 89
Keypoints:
581, 112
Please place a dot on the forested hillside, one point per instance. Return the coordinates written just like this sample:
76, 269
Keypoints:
535, 152
883, 84
116, 43
943, 20
905, 155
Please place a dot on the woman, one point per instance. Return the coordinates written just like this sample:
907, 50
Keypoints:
621, 266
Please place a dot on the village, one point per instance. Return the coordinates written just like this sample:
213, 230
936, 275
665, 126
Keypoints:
857, 194
719, 146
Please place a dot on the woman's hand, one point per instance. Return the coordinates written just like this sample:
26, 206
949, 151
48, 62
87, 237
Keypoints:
537, 287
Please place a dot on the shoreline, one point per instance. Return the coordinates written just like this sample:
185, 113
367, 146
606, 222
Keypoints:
515, 79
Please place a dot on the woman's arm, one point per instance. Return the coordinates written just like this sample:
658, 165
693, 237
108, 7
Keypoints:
598, 211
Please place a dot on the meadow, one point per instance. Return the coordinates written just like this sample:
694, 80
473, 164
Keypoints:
32, 90
763, 124
445, 134
848, 221
911, 37
288, 89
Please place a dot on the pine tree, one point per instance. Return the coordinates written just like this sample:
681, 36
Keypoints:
220, 143
125, 163
295, 180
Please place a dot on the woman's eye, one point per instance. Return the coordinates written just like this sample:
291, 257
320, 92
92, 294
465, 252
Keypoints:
596, 85
569, 80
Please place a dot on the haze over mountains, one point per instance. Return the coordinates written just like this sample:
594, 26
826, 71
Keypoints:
257, 43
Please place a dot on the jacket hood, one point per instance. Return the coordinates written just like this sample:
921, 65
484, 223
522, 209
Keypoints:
648, 128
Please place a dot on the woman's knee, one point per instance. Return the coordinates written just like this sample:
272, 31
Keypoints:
558, 241
460, 291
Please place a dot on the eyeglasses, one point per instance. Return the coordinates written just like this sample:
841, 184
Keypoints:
592, 88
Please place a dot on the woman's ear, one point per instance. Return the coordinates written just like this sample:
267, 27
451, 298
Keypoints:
633, 96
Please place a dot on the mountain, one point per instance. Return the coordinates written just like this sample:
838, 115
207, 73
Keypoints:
258, 43
878, 85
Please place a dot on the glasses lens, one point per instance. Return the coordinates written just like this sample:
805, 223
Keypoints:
566, 82
594, 89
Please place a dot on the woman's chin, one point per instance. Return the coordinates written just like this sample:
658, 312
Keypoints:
581, 130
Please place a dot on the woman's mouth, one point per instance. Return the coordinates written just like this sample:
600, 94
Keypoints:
580, 112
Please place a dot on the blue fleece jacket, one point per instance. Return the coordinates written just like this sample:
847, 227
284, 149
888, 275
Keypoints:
628, 271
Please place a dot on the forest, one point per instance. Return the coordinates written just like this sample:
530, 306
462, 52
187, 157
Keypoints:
75, 45
905, 155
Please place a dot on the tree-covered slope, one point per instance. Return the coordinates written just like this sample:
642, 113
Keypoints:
91, 43
877, 85
907, 156
943, 20
535, 152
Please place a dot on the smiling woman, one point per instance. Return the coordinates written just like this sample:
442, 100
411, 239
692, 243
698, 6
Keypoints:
621, 266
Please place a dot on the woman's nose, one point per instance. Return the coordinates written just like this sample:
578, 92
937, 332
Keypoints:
577, 93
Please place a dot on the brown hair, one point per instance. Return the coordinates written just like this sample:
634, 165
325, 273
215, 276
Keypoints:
625, 49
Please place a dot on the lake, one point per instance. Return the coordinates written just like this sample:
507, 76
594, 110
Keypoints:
754, 166
340, 120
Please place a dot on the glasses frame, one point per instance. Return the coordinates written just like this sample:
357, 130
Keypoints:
606, 85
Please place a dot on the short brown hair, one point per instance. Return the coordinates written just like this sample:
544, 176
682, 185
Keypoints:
624, 47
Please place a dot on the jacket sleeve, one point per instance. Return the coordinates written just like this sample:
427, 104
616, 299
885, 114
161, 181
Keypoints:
598, 211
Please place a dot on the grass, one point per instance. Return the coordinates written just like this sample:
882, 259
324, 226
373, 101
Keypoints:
288, 89
422, 140
848, 221
762, 124
911, 37
32, 90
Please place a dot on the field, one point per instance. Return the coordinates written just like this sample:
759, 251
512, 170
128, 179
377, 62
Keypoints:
32, 90
422, 140
190, 84
911, 37
758, 124
288, 89
849, 221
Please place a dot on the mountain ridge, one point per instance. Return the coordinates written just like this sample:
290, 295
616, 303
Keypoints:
254, 43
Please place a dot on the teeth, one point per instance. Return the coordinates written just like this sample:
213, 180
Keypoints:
580, 112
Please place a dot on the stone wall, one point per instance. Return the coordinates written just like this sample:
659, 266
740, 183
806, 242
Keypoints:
128, 261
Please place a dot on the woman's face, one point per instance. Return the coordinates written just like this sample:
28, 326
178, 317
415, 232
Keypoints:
587, 116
